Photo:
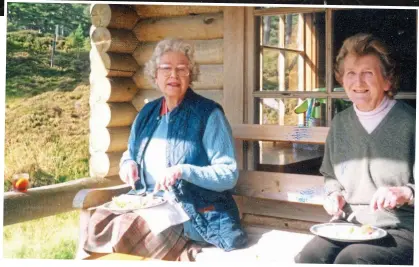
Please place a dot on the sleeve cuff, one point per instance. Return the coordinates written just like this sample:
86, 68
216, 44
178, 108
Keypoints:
332, 186
186, 172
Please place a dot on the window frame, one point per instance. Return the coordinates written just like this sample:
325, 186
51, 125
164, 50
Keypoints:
253, 63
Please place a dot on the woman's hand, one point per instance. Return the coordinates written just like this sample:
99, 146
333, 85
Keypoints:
390, 197
334, 203
169, 178
129, 172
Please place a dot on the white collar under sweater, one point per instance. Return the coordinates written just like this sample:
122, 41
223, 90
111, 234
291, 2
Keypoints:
371, 119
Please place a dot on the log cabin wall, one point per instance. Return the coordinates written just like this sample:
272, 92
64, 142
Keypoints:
123, 38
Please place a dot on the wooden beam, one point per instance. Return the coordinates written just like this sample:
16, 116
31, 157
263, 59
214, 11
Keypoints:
251, 81
112, 115
210, 78
90, 198
285, 10
233, 83
113, 40
48, 200
293, 94
281, 186
148, 11
116, 89
277, 223
206, 51
329, 63
145, 96
104, 164
108, 139
256, 132
113, 16
285, 209
200, 27
112, 64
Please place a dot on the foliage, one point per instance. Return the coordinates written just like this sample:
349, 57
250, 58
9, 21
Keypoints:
46, 112
75, 40
53, 237
43, 17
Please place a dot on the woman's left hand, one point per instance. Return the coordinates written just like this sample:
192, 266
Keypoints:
169, 178
390, 197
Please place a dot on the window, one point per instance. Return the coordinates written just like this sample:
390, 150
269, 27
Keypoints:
295, 83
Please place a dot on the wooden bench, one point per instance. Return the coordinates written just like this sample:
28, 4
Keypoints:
274, 207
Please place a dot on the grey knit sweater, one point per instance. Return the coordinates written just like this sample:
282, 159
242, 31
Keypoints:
356, 163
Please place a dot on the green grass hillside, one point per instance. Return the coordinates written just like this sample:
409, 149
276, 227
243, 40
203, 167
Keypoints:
47, 111
46, 135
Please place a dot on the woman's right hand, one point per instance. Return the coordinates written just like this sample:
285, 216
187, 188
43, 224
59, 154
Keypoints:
334, 203
129, 172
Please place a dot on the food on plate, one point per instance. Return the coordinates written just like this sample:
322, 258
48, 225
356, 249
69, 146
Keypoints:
131, 203
348, 232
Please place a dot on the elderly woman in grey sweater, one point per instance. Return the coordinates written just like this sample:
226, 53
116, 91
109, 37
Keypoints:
369, 160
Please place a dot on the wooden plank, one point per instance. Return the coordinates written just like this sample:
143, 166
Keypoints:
145, 96
281, 186
285, 10
285, 209
329, 63
113, 16
206, 51
111, 114
113, 40
234, 70
116, 89
277, 223
200, 27
88, 198
48, 200
210, 78
111, 64
148, 11
249, 83
256, 132
294, 94
104, 164
113, 139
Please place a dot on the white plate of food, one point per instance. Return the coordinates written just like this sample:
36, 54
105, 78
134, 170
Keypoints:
127, 203
348, 232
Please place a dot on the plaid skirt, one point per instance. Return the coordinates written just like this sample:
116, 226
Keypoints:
129, 233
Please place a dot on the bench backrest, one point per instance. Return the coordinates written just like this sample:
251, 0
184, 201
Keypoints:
280, 200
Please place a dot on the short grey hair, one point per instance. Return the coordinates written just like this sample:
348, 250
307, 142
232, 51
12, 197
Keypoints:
174, 45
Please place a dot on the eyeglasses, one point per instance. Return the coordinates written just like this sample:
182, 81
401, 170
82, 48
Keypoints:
166, 70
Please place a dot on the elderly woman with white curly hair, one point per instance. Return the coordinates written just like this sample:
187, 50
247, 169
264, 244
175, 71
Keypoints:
180, 142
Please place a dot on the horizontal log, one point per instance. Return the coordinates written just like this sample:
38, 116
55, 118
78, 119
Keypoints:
115, 89
113, 16
281, 186
104, 164
277, 223
112, 64
256, 132
90, 198
206, 51
210, 78
145, 96
112, 115
148, 11
47, 200
112, 40
201, 27
285, 209
108, 139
